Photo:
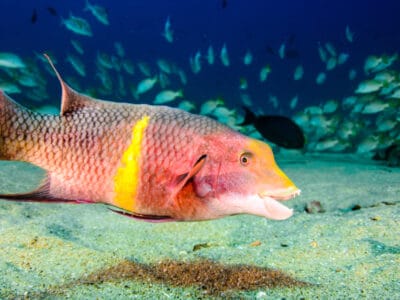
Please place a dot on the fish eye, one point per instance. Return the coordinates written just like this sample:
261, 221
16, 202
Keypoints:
245, 158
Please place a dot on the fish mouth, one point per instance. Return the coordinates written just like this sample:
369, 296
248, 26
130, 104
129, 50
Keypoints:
273, 208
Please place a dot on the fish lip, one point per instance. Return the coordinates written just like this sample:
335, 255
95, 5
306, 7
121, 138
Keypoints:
273, 209
281, 195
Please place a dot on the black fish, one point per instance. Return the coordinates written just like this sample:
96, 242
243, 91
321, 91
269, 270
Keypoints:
270, 50
291, 39
34, 16
292, 53
52, 11
279, 130
224, 3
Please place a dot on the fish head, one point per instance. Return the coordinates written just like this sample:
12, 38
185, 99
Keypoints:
240, 176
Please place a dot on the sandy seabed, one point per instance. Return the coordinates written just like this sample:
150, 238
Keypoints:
349, 249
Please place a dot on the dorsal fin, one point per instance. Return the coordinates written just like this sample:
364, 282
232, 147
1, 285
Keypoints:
249, 118
71, 100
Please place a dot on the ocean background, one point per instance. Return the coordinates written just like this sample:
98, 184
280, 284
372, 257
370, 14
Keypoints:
242, 25
342, 241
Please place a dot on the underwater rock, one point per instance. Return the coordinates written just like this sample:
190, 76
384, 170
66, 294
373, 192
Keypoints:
201, 246
314, 207
356, 207
390, 154
393, 156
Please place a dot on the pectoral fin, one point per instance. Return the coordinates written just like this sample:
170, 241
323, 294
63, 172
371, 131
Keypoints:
183, 179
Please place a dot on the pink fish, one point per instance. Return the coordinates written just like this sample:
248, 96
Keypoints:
150, 162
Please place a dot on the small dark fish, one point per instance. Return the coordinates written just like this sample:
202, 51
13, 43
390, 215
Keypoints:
279, 130
52, 11
224, 3
34, 16
292, 53
270, 50
291, 39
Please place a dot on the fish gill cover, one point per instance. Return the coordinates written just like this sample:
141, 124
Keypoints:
330, 66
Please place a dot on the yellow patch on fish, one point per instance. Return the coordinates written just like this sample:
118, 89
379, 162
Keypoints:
127, 176
261, 149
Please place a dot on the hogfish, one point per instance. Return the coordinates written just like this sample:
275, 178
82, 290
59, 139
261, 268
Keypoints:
154, 163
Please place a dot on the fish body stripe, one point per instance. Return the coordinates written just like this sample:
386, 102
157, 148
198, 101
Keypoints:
128, 173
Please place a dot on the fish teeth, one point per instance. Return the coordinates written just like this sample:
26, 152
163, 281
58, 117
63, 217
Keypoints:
281, 197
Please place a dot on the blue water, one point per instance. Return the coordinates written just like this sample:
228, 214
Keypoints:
242, 25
